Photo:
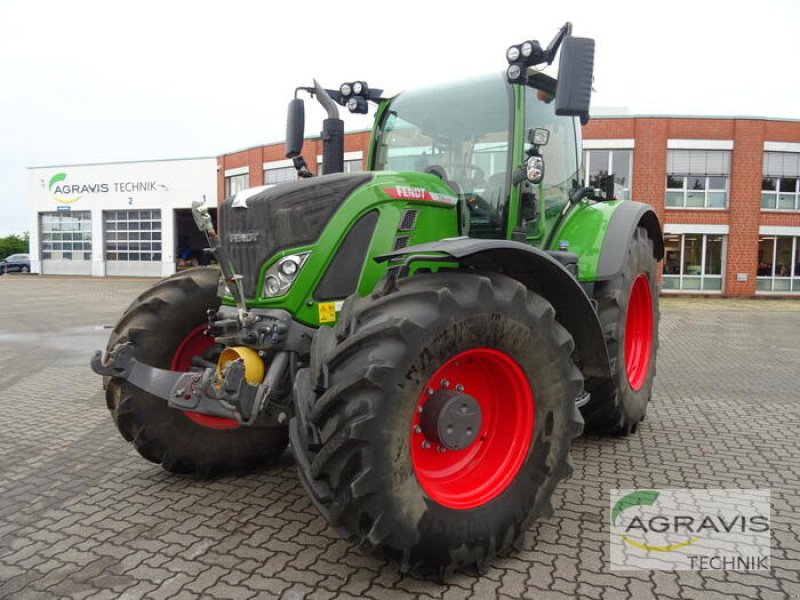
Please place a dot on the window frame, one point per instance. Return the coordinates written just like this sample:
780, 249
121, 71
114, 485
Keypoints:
792, 280
238, 178
279, 168
777, 193
587, 167
684, 190
681, 276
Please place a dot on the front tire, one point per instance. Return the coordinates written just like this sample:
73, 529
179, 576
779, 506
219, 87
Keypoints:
165, 326
629, 313
364, 458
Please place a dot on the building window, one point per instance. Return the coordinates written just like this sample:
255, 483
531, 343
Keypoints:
697, 178
350, 166
132, 235
353, 166
276, 175
780, 187
693, 261
66, 236
778, 264
599, 163
236, 183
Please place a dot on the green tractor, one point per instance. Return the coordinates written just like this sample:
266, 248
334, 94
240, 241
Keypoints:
429, 335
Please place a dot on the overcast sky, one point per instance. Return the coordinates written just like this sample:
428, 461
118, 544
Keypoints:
103, 81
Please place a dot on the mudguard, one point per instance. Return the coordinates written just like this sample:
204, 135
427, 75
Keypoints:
600, 232
621, 227
540, 273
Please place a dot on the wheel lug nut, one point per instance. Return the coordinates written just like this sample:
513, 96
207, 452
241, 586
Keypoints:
441, 449
417, 429
445, 383
430, 392
426, 444
459, 388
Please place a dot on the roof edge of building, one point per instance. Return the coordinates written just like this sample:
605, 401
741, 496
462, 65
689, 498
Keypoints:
699, 117
275, 143
122, 162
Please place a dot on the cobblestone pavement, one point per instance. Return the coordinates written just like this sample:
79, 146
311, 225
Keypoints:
83, 516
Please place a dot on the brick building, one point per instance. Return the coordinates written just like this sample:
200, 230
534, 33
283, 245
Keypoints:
725, 189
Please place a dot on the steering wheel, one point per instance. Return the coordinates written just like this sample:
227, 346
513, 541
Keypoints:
478, 207
479, 172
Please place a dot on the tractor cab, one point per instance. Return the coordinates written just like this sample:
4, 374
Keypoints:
508, 185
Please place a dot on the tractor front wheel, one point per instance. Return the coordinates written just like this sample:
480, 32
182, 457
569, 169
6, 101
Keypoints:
439, 419
166, 327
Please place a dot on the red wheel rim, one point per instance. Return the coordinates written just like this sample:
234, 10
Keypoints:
469, 478
195, 344
639, 332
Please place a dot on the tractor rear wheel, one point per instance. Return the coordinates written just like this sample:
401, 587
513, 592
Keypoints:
166, 327
628, 310
440, 419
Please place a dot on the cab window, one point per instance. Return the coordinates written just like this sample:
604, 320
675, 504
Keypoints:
461, 132
560, 154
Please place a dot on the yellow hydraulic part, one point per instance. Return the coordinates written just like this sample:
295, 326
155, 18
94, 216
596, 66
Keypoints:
253, 365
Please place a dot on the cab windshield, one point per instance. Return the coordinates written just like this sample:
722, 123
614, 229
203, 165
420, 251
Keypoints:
460, 131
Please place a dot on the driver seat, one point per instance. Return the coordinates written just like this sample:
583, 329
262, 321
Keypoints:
495, 188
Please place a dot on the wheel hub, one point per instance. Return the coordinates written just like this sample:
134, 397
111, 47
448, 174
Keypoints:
457, 469
451, 419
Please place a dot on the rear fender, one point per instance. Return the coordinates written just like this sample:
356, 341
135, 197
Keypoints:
540, 273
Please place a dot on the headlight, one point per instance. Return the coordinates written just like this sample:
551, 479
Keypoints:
512, 54
516, 73
527, 49
272, 286
288, 268
280, 276
358, 88
345, 90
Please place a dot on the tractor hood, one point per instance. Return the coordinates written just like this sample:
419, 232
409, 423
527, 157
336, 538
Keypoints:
285, 216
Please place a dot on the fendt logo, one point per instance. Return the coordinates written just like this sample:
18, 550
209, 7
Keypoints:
677, 529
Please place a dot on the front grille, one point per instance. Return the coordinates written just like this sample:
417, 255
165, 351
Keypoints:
400, 242
286, 216
409, 220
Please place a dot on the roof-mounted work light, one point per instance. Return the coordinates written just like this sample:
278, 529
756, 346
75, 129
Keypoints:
354, 95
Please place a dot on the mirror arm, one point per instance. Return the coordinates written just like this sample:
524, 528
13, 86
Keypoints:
519, 176
301, 167
552, 47
580, 193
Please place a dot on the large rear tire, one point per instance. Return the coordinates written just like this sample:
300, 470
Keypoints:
367, 456
628, 310
165, 327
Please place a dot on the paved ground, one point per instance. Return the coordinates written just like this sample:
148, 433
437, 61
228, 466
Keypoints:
83, 516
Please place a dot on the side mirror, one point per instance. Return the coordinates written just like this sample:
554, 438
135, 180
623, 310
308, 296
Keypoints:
574, 87
295, 128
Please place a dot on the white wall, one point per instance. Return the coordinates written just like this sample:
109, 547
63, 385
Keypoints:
165, 185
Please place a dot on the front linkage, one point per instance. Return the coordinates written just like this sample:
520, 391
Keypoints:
225, 393
224, 390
